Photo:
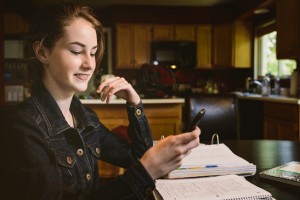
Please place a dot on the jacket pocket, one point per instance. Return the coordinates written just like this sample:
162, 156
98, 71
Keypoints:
66, 163
95, 151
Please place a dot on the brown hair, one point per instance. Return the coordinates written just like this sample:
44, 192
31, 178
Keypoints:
47, 27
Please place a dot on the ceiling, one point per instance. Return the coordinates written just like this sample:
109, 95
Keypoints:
103, 3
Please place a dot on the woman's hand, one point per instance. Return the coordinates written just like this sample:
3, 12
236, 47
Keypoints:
120, 87
167, 154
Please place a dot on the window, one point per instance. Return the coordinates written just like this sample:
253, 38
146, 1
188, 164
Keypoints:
266, 61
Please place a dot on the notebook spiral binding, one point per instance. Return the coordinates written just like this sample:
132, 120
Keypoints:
266, 197
213, 137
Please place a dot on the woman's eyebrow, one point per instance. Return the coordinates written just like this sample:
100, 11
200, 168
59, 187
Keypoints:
82, 45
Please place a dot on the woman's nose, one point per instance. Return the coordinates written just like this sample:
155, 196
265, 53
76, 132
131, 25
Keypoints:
88, 62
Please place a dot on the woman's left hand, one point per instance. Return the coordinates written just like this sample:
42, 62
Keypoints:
120, 87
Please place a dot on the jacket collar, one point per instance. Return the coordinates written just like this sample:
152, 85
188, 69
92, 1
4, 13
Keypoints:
53, 116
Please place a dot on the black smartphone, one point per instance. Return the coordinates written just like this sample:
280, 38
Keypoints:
197, 119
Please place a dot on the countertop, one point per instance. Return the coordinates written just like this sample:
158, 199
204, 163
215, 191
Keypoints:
246, 96
145, 101
271, 98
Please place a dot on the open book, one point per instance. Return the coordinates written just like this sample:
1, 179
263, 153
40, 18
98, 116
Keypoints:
209, 188
212, 160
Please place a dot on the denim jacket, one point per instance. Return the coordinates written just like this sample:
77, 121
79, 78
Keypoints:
45, 158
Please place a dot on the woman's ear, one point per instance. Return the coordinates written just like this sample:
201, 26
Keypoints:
40, 52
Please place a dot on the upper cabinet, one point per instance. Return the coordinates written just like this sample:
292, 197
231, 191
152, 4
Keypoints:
232, 45
219, 46
174, 32
163, 32
204, 40
132, 45
287, 25
185, 33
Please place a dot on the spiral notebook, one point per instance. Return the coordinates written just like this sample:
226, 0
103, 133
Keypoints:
288, 173
229, 187
212, 160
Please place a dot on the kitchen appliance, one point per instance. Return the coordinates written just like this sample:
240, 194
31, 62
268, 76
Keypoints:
179, 53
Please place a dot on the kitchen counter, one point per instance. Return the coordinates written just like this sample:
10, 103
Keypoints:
164, 115
145, 101
271, 98
273, 117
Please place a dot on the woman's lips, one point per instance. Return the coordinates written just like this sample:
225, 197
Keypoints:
83, 77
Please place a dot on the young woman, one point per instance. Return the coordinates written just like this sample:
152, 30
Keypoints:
55, 141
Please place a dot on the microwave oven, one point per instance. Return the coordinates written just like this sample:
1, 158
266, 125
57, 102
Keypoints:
179, 53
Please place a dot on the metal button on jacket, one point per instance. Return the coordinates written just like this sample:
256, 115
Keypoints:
88, 177
69, 160
79, 152
138, 112
98, 151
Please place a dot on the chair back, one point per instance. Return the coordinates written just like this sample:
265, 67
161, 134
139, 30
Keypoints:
221, 115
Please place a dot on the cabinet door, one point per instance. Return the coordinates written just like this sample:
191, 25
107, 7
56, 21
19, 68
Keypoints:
163, 32
203, 39
280, 129
287, 25
163, 127
186, 33
124, 47
232, 45
142, 40
281, 121
132, 45
242, 44
222, 45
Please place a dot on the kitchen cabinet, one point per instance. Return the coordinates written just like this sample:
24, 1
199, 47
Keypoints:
287, 26
269, 117
132, 45
203, 40
173, 32
281, 121
164, 119
232, 45
162, 32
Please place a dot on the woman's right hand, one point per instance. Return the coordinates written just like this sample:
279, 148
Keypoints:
167, 154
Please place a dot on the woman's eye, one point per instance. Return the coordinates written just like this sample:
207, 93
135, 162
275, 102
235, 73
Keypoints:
93, 54
76, 52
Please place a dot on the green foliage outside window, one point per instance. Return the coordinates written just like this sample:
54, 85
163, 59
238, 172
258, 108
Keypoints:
269, 62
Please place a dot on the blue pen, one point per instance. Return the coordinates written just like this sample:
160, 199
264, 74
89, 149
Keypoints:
211, 166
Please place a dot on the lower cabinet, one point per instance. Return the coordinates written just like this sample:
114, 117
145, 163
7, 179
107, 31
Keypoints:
281, 121
164, 119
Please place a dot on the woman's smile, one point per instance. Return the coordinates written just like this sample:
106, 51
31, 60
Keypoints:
83, 77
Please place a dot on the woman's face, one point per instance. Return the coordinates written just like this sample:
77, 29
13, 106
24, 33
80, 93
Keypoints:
71, 62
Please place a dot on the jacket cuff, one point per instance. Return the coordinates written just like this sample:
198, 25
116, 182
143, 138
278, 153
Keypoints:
139, 180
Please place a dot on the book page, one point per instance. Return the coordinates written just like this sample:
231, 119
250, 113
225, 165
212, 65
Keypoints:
218, 154
209, 188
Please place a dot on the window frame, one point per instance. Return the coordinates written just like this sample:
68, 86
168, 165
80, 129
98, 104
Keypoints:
261, 30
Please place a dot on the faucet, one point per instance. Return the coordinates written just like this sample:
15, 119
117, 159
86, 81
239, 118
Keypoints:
255, 87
